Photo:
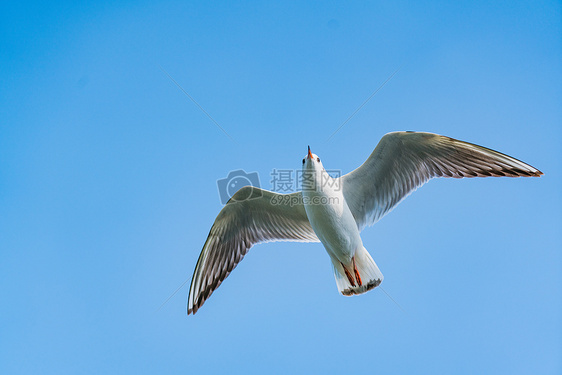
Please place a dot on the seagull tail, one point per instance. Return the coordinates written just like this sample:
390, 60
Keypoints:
358, 277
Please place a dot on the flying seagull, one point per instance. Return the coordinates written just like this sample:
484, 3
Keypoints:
334, 211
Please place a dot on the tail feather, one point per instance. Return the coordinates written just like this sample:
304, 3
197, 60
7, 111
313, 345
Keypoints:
370, 275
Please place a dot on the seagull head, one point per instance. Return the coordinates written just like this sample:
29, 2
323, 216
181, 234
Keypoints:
311, 161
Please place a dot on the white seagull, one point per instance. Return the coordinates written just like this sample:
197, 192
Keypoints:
335, 211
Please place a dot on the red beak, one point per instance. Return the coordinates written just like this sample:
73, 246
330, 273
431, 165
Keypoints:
309, 153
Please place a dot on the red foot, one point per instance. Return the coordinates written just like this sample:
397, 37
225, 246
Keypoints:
357, 276
349, 277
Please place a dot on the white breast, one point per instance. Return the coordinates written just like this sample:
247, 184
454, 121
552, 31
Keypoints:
332, 220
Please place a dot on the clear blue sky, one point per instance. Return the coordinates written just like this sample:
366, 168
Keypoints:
108, 185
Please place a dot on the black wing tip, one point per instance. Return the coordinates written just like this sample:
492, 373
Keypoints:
196, 306
514, 172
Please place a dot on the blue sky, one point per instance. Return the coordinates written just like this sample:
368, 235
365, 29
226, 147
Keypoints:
108, 185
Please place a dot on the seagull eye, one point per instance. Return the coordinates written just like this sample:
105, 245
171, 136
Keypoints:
303, 161
318, 159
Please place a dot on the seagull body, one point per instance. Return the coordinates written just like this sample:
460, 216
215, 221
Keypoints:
334, 225
335, 210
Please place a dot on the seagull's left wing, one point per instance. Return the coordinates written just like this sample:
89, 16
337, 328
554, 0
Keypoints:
251, 216
403, 161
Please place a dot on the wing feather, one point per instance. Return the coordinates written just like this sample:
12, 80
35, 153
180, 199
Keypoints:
403, 161
252, 216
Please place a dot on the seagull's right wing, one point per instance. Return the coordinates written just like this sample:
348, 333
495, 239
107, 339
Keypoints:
403, 161
251, 216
